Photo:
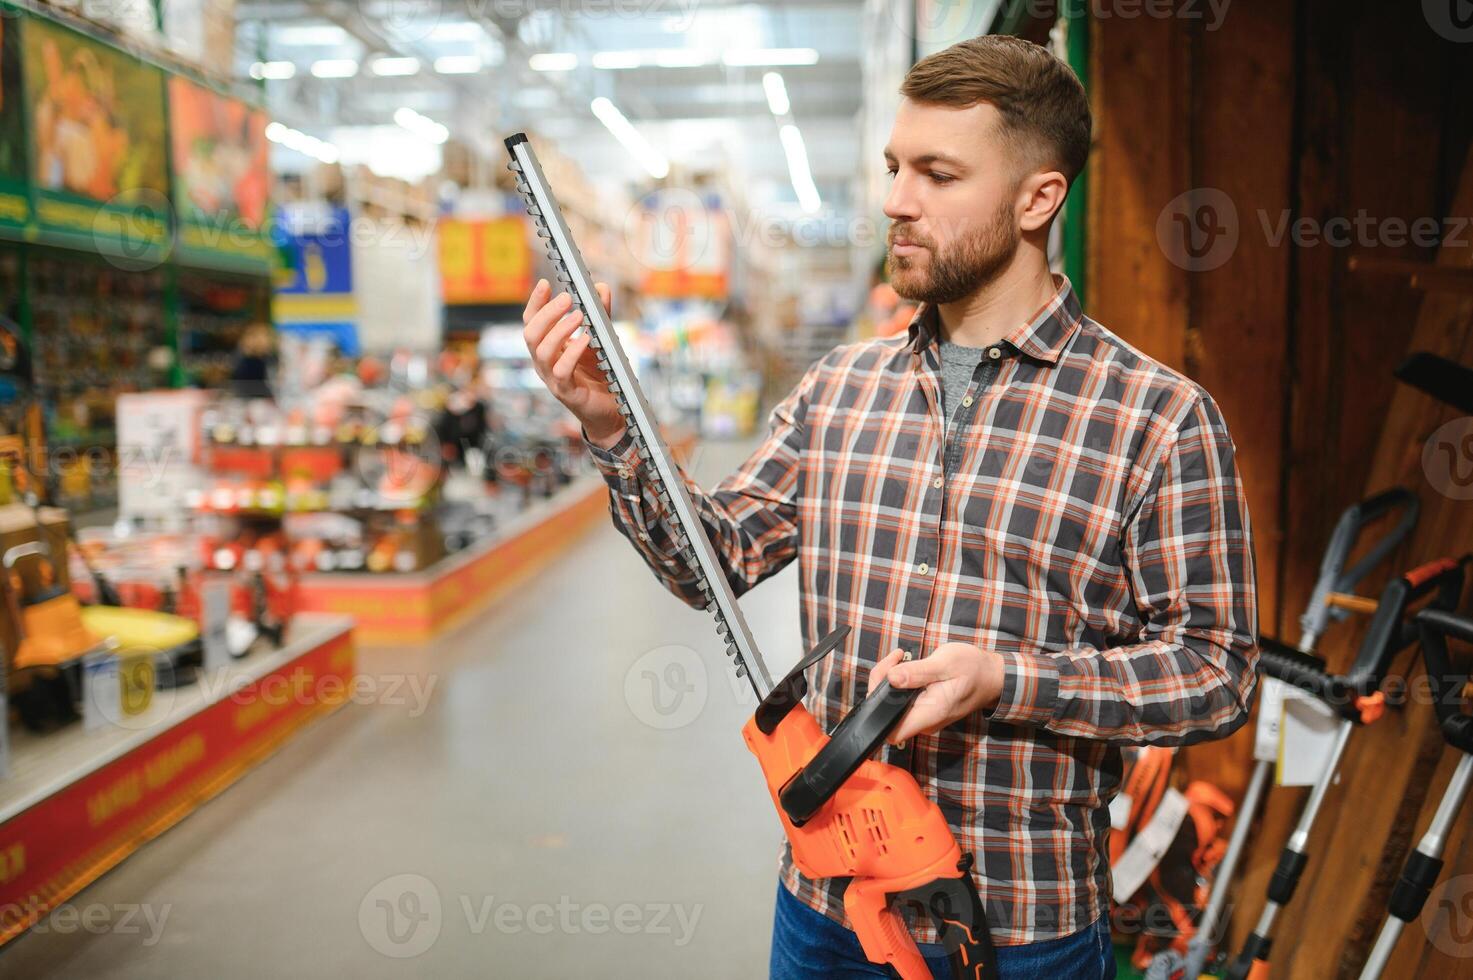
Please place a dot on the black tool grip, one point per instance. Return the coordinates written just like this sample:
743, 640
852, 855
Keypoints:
851, 742
1446, 682
1298, 669
957, 912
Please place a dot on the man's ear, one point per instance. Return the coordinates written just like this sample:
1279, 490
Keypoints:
1040, 195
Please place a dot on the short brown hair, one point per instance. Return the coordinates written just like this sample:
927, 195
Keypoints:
1045, 112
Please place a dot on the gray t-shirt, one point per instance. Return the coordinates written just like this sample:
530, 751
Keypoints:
958, 364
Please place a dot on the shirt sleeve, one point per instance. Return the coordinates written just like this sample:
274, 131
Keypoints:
1190, 673
751, 518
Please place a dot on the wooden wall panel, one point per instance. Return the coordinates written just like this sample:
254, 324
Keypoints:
1236, 342
1139, 163
1327, 110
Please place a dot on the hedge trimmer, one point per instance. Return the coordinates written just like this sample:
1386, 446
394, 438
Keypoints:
846, 815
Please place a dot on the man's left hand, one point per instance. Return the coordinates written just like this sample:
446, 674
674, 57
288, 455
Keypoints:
958, 678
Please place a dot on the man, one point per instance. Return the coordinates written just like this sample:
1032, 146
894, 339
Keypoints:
1049, 520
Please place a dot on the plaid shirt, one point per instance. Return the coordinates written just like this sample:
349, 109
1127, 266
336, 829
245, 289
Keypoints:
1085, 520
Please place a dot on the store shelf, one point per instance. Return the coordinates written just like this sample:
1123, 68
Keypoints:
414, 607
78, 802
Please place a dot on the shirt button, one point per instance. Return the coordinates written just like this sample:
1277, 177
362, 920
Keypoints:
937, 483
923, 568
994, 352
625, 472
967, 401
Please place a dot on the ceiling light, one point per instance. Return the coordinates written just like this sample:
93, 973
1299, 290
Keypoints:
307, 34
771, 56
421, 125
553, 61
458, 64
457, 31
273, 70
798, 169
649, 158
335, 68
617, 59
682, 58
777, 93
394, 67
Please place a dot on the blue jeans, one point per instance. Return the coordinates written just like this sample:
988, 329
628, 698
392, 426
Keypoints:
807, 945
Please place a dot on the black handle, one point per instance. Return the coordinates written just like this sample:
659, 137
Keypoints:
1446, 684
854, 740
956, 910
1355, 519
788, 693
1391, 630
1298, 669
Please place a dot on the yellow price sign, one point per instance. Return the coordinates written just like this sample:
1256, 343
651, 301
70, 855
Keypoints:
136, 684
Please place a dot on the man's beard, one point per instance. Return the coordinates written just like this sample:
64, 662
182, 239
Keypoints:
968, 265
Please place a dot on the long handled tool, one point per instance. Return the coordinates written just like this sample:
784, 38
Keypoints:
1425, 863
1358, 699
1331, 599
846, 814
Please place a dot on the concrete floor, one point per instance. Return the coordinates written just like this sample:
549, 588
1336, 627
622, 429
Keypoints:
557, 789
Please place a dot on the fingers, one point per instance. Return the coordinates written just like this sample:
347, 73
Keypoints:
542, 319
552, 342
918, 673
536, 301
882, 668
567, 362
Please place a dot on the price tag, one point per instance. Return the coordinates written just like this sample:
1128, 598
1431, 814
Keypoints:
214, 600
116, 690
102, 695
1271, 694
1309, 727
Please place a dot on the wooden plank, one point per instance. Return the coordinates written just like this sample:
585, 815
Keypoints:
1139, 84
1388, 766
1237, 343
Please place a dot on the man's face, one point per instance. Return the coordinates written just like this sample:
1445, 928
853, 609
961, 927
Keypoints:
952, 197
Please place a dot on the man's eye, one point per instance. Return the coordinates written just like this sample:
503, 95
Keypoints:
941, 178
892, 171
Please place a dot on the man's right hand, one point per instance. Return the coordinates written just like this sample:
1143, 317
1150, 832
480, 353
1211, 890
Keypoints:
570, 368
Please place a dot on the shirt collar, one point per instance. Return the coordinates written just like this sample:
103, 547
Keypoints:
1043, 337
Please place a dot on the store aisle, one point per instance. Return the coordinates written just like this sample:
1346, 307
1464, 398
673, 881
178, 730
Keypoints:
498, 804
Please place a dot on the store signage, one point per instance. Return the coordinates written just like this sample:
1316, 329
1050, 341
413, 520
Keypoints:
15, 200
485, 261
221, 177
314, 284
97, 166
683, 243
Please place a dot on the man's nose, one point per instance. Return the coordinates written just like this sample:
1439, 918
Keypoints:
900, 204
